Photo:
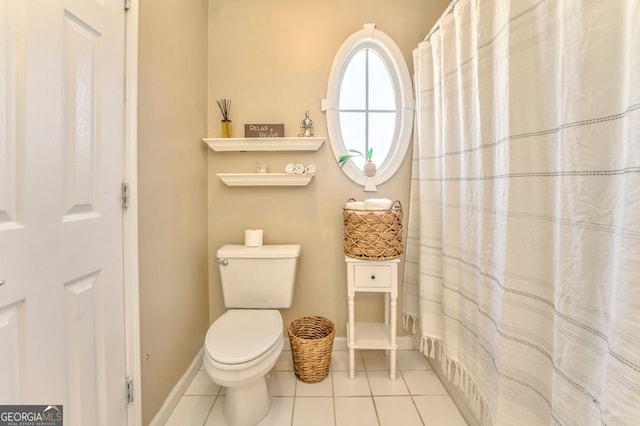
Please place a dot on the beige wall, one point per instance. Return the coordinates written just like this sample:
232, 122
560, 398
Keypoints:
172, 192
272, 59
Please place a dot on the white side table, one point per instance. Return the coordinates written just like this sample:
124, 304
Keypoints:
377, 277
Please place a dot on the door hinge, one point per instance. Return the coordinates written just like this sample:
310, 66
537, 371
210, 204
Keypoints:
125, 195
127, 4
129, 382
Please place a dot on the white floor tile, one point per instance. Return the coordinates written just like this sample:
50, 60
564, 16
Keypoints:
283, 383
337, 400
340, 361
397, 410
343, 386
421, 382
381, 385
285, 362
412, 360
191, 411
438, 410
313, 411
323, 388
355, 412
216, 416
202, 385
280, 413
375, 360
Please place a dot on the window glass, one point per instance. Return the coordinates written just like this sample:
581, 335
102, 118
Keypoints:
353, 89
353, 126
382, 126
367, 106
382, 94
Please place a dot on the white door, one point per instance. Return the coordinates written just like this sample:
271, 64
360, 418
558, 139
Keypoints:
61, 156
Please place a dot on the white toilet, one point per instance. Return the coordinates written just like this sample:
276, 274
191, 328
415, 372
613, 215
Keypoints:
244, 344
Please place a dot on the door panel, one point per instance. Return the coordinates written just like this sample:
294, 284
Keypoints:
61, 253
10, 48
82, 100
84, 346
10, 354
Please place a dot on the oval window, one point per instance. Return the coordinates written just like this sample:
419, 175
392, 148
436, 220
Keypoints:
369, 105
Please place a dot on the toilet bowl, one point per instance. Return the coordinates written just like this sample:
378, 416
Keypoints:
241, 347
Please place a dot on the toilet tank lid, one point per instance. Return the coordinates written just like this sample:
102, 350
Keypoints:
237, 251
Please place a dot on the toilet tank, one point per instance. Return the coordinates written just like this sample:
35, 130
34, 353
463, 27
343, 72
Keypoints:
258, 277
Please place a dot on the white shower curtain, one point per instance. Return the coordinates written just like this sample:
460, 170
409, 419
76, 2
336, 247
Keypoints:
523, 251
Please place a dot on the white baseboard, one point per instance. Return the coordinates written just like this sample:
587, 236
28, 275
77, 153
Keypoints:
178, 390
339, 344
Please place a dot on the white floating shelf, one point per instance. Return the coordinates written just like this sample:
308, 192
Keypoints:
265, 144
265, 179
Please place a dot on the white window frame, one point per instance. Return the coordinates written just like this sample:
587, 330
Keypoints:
370, 37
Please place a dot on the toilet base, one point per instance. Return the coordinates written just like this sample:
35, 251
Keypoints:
247, 398
246, 405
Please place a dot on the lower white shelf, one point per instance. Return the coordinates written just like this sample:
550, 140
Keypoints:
371, 335
265, 179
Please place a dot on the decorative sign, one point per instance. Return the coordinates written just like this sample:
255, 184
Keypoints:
264, 130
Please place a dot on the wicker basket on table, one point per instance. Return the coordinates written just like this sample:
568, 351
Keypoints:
373, 234
311, 341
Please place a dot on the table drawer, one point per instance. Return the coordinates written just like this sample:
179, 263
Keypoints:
372, 276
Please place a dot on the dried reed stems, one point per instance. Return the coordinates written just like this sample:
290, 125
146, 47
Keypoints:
225, 108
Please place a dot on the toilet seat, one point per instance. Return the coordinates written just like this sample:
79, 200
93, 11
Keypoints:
241, 336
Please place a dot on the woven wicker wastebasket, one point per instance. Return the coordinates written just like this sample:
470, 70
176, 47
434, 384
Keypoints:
311, 341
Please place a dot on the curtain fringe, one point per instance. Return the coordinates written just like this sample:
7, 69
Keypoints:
456, 374
405, 322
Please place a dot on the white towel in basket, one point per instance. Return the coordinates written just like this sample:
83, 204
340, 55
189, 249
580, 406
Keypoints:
377, 204
355, 205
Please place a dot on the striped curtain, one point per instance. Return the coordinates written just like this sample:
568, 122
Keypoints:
523, 252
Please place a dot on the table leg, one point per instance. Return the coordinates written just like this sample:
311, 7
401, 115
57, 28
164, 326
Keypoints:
352, 337
392, 360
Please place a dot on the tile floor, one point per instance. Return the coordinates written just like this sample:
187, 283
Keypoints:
416, 398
